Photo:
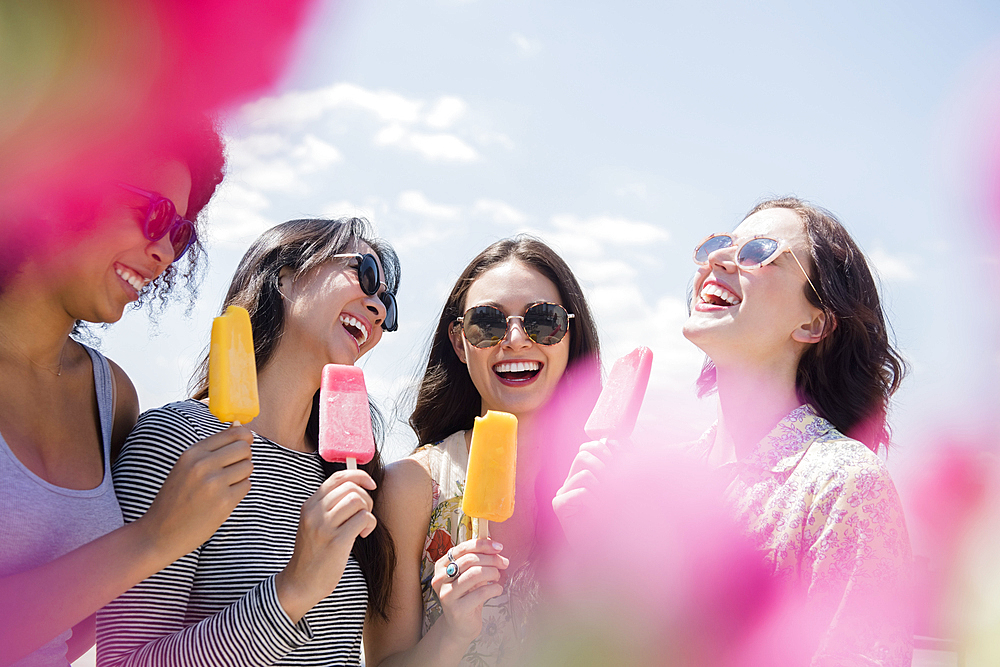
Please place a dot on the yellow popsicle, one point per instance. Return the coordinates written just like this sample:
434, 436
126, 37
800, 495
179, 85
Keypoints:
232, 371
489, 482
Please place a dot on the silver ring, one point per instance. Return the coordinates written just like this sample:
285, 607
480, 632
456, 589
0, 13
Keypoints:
451, 559
452, 569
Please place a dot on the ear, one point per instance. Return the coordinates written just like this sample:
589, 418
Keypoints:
457, 341
286, 278
816, 329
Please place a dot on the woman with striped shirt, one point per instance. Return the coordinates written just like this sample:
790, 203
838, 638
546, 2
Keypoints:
284, 581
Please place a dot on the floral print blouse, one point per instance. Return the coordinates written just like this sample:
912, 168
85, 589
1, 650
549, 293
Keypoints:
446, 462
823, 509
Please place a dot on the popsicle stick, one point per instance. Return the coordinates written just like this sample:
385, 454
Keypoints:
352, 463
480, 528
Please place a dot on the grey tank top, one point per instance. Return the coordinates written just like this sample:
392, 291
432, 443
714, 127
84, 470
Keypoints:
40, 521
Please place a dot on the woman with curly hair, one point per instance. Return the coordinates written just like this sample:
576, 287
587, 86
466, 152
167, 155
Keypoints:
65, 409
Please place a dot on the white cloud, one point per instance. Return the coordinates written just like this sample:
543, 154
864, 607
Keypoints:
434, 147
266, 161
445, 112
348, 209
314, 154
396, 115
499, 212
236, 213
414, 201
609, 229
893, 268
298, 107
525, 45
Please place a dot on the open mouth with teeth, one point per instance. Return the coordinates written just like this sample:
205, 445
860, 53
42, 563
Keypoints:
517, 371
715, 294
355, 327
135, 280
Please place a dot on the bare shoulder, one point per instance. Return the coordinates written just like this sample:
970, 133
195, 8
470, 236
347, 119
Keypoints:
406, 488
126, 408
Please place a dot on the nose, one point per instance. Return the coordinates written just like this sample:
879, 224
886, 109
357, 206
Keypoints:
723, 259
161, 251
375, 306
516, 337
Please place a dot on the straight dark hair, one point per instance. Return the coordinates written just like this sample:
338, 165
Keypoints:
447, 400
303, 245
850, 375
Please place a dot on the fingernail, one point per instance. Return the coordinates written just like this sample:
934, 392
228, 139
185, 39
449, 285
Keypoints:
497, 546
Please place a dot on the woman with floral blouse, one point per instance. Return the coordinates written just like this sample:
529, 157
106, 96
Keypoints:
788, 313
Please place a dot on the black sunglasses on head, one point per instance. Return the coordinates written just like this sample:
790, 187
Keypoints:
368, 278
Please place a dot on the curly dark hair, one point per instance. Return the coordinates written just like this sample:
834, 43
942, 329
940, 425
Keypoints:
850, 375
303, 245
201, 149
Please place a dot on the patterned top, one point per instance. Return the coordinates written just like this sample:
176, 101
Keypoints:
825, 512
446, 463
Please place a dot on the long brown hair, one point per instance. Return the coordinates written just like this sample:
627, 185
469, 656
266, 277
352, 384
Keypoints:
303, 245
850, 375
447, 400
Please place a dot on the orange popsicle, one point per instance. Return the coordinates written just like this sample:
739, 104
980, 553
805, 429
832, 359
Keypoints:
489, 482
232, 371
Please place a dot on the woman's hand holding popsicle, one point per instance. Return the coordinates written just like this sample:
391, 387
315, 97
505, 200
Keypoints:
576, 500
209, 479
329, 522
477, 565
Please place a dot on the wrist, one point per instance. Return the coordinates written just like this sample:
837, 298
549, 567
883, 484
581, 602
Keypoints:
147, 550
293, 598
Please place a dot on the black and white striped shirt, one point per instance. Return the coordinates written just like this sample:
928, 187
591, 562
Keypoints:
217, 606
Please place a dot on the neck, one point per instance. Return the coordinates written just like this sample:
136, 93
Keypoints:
286, 387
751, 403
34, 330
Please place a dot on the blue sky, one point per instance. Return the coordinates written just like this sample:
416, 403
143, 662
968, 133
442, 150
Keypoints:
624, 133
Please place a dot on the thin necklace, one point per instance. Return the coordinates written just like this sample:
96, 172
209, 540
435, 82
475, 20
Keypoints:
57, 372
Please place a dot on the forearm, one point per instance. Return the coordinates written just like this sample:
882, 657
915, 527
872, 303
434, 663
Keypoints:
62, 593
435, 649
252, 630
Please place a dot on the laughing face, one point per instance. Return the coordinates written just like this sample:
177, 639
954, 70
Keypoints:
99, 272
755, 316
517, 375
328, 315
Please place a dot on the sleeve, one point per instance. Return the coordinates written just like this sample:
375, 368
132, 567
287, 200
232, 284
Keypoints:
859, 565
148, 625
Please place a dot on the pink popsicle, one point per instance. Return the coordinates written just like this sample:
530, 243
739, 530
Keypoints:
345, 422
618, 406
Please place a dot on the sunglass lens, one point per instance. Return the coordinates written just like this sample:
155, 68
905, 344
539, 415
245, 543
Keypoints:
710, 246
159, 218
756, 251
389, 323
546, 323
368, 275
181, 237
484, 326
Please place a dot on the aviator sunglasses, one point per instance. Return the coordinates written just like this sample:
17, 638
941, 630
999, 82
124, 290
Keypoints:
162, 219
368, 278
750, 255
544, 323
